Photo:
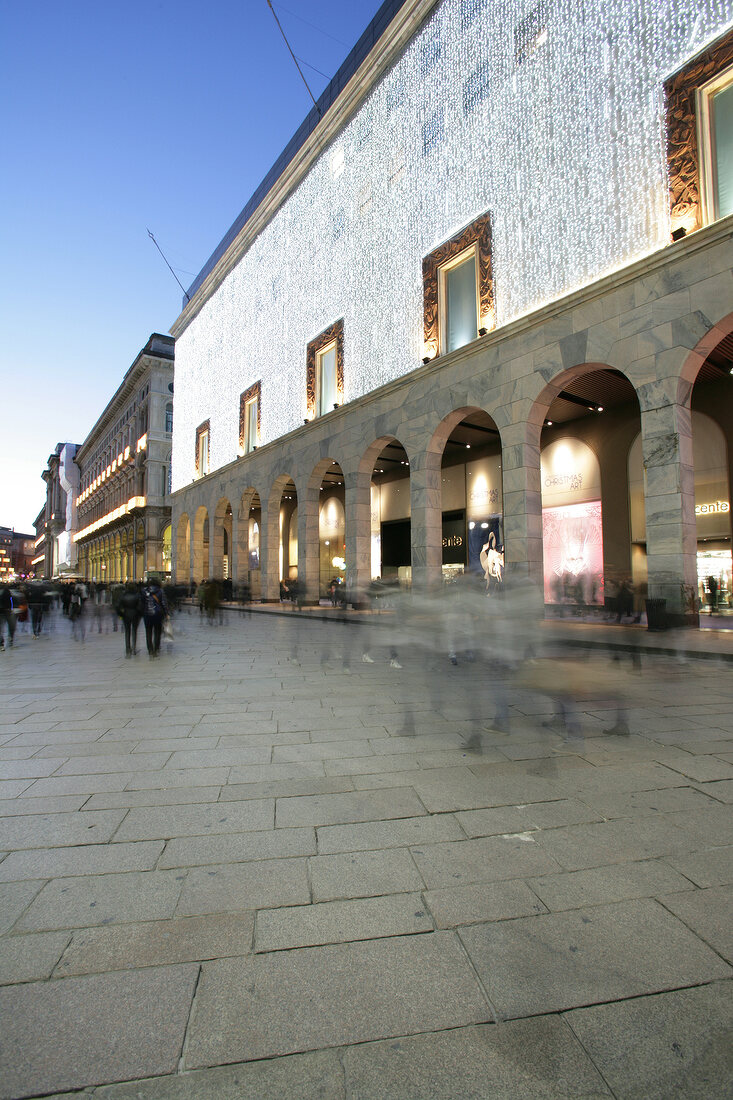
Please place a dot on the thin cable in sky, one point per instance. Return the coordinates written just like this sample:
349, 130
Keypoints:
315, 28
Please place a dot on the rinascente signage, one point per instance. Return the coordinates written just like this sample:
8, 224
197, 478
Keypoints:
715, 507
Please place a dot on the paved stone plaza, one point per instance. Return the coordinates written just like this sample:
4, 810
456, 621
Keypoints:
229, 873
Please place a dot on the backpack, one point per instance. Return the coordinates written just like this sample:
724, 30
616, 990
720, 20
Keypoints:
152, 604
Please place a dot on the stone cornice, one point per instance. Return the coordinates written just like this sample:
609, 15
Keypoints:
381, 58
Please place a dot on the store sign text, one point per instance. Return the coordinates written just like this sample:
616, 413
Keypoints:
716, 506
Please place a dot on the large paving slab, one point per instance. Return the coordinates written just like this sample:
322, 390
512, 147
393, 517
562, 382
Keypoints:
92, 859
285, 1002
341, 922
575, 889
236, 848
522, 1060
485, 859
261, 884
103, 899
398, 833
361, 874
67, 1034
318, 1076
173, 821
708, 913
557, 961
672, 1046
50, 830
337, 809
153, 943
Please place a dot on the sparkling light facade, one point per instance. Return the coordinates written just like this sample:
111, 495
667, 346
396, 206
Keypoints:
549, 116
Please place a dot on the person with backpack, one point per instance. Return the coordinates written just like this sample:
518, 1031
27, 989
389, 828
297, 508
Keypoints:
129, 607
155, 609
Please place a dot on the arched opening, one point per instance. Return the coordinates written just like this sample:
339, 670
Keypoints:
331, 534
166, 554
472, 526
390, 515
586, 531
222, 540
288, 534
183, 550
249, 527
201, 546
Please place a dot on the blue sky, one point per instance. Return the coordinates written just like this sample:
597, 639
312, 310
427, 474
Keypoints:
160, 114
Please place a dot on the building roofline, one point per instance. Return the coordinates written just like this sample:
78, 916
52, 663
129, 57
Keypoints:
165, 351
378, 48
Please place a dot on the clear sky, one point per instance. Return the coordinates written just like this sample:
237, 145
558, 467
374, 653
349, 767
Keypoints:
116, 118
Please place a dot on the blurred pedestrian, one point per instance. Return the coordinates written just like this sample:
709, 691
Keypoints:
7, 615
155, 610
130, 609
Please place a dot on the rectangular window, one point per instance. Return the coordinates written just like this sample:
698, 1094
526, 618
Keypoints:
476, 88
458, 301
250, 425
327, 387
325, 371
202, 449
530, 34
715, 112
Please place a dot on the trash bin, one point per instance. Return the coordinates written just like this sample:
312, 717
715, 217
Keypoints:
656, 614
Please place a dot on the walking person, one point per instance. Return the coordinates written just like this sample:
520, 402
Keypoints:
7, 615
37, 604
155, 609
76, 612
130, 609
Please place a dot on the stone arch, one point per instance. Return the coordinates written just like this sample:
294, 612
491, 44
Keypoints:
222, 539
594, 411
200, 545
249, 524
183, 550
458, 421
364, 509
272, 553
309, 511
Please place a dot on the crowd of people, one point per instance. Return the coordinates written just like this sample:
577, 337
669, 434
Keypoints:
88, 607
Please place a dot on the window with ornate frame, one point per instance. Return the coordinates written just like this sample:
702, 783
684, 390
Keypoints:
458, 290
202, 448
695, 153
325, 371
249, 419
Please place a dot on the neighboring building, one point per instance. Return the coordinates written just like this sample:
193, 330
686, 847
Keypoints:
16, 553
123, 513
54, 535
39, 545
483, 303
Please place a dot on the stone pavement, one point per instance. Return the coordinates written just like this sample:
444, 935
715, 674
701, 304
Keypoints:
229, 873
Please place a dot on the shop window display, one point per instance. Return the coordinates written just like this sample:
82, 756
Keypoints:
572, 537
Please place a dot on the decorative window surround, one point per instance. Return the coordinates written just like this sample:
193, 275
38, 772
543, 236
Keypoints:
683, 151
478, 233
334, 332
203, 429
254, 392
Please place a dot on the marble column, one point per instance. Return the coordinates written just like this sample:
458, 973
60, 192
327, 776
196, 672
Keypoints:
426, 519
522, 503
358, 524
669, 492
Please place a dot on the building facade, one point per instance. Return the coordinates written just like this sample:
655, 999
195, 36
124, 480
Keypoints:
479, 315
124, 464
16, 554
55, 551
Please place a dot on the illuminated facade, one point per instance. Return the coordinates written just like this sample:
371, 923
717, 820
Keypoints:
123, 513
55, 550
492, 207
